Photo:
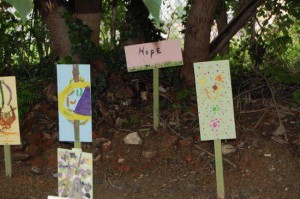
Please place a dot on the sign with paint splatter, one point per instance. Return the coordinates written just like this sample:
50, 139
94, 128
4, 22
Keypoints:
9, 119
74, 102
214, 98
153, 55
55, 197
75, 174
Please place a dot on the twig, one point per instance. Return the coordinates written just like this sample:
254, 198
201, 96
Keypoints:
260, 119
248, 91
200, 148
253, 111
275, 103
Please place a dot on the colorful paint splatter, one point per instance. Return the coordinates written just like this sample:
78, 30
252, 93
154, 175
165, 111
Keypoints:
9, 122
75, 174
214, 97
74, 102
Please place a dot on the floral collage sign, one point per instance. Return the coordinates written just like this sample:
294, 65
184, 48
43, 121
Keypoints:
75, 174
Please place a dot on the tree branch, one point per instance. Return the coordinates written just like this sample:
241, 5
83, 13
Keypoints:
233, 27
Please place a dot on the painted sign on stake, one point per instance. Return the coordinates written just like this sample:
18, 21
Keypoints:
9, 119
74, 102
55, 197
214, 97
75, 174
153, 55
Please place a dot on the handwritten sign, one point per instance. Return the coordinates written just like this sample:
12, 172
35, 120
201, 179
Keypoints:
9, 119
75, 173
74, 102
214, 97
153, 55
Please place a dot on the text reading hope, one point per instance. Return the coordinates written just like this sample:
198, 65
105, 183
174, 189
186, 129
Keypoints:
150, 52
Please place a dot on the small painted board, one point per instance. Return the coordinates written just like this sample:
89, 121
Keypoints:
9, 118
74, 101
56, 197
153, 55
214, 98
75, 174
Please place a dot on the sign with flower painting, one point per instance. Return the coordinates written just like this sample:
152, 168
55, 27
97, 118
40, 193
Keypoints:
9, 119
214, 98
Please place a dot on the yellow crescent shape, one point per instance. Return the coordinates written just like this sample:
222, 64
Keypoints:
62, 96
217, 95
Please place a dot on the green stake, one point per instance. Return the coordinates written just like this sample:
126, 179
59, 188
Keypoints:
7, 159
77, 143
155, 98
219, 170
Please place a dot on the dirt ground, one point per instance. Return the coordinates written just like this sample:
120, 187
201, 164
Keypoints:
172, 162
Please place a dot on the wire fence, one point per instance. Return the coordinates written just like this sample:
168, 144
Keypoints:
172, 16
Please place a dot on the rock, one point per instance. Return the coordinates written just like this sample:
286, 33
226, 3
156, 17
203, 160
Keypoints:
280, 130
34, 150
47, 143
169, 142
36, 170
133, 139
189, 158
149, 154
227, 149
121, 160
119, 122
20, 156
38, 162
184, 143
37, 165
124, 168
144, 95
34, 138
107, 146
52, 162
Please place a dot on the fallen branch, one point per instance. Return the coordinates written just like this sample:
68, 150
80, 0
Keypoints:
200, 148
260, 119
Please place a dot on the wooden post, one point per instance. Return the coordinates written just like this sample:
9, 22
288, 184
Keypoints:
77, 143
155, 98
7, 159
219, 170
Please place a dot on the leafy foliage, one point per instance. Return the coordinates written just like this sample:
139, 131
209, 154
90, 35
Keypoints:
23, 7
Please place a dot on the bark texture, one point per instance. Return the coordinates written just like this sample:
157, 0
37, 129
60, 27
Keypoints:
52, 14
53, 11
222, 23
197, 36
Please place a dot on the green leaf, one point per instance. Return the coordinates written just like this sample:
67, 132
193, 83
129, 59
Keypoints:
22, 6
296, 96
154, 8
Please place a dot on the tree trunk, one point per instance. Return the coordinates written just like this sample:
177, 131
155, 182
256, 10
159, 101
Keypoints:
197, 36
90, 14
113, 24
52, 14
222, 23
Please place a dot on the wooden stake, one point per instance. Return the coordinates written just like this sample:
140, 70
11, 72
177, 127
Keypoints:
219, 170
77, 143
7, 159
155, 98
